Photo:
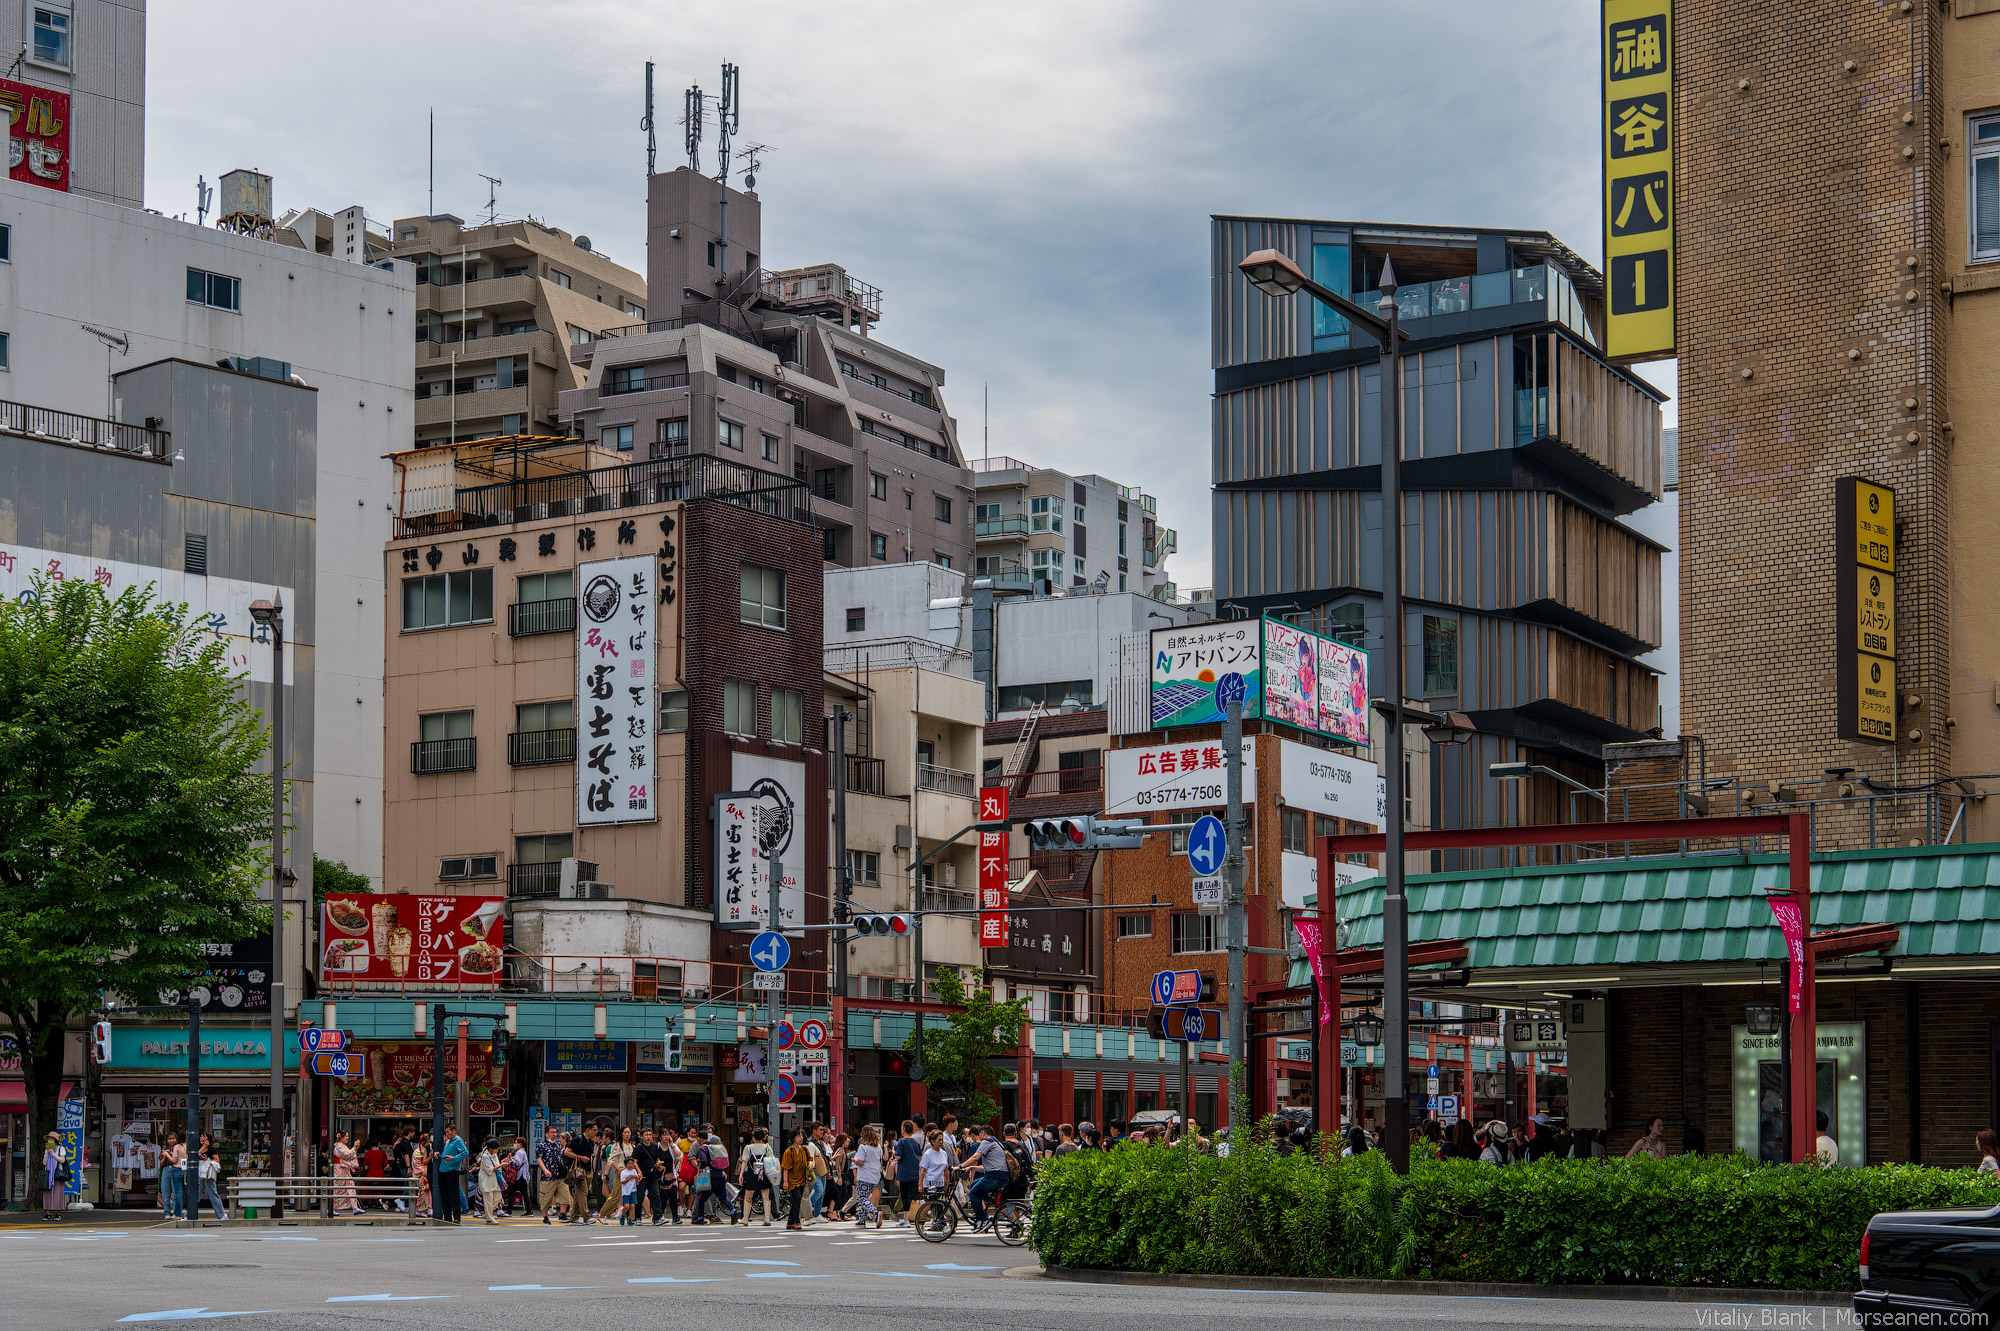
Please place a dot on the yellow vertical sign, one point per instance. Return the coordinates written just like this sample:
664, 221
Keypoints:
1638, 132
1864, 523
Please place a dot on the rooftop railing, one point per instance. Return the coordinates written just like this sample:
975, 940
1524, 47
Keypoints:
607, 489
62, 427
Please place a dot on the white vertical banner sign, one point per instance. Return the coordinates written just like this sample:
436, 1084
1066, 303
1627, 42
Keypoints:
773, 793
616, 700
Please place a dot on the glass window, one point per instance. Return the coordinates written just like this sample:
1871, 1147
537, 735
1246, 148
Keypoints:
1440, 655
878, 485
878, 545
674, 712
561, 279
444, 599
1298, 836
52, 36
6, 244
1195, 933
941, 504
543, 849
1531, 285
628, 378
534, 716
864, 866
829, 544
215, 290
1135, 926
770, 448
788, 716
763, 596
1331, 270
444, 725
617, 437
1984, 164
545, 587
673, 433
986, 513
739, 707
857, 618
578, 337
1045, 514
729, 434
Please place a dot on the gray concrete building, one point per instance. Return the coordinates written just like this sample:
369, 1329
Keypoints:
778, 370
1039, 525
1528, 600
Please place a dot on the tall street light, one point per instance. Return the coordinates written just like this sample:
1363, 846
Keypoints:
1276, 274
272, 617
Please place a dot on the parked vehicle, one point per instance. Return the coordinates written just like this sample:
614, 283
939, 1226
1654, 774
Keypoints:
1930, 1268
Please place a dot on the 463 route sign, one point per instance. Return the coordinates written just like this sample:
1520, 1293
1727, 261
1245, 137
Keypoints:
340, 1065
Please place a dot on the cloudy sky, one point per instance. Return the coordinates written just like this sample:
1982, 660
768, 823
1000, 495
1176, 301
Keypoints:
1028, 182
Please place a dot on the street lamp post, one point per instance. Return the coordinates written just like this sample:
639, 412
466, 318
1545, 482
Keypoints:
1276, 274
272, 617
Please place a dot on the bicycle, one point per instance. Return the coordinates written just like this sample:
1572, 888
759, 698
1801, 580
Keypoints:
941, 1211
1012, 1220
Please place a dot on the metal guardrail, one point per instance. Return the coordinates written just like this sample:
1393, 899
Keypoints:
945, 780
428, 756
320, 1194
525, 619
62, 427
533, 748
621, 387
608, 489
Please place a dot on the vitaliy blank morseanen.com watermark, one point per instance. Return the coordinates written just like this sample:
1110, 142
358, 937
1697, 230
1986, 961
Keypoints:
1823, 1319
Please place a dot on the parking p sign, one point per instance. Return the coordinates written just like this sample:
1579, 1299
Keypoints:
1447, 1108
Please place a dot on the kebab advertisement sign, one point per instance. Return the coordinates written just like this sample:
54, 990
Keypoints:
374, 937
398, 1080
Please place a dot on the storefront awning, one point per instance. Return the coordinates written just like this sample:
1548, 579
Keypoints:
14, 1096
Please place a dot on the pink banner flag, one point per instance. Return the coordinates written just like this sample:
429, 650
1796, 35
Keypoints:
1791, 923
1308, 929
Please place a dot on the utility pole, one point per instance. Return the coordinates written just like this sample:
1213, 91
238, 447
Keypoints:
774, 1003
193, 1138
1395, 904
1236, 921
843, 894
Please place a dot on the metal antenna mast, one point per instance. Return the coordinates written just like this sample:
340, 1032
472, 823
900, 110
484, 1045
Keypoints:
204, 195
493, 184
728, 116
691, 117
646, 121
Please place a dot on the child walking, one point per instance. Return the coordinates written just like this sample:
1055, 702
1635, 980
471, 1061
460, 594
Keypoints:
628, 1188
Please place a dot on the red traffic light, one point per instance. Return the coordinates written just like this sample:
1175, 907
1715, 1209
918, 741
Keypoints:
899, 924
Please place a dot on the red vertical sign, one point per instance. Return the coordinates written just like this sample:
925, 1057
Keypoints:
993, 869
1307, 927
1792, 924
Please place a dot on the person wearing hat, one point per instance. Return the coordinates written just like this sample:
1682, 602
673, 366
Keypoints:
1538, 1140
1495, 1150
55, 1172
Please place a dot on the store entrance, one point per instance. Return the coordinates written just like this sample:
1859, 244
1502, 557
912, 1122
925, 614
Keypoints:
672, 1111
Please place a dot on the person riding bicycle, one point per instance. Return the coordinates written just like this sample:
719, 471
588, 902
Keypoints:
988, 1160
1021, 1165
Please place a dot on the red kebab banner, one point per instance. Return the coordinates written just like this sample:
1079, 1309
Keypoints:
993, 869
37, 134
398, 937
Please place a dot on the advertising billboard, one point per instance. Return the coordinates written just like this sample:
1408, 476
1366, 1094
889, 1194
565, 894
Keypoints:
1315, 683
37, 134
1638, 72
615, 701
1199, 669
396, 937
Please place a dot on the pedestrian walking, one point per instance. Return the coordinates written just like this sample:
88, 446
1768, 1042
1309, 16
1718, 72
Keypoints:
209, 1170
909, 1155
820, 1145
344, 1163
753, 1176
519, 1185
580, 1167
55, 1177
489, 1182
618, 1151
1654, 1143
550, 1171
420, 1171
1495, 1150
647, 1155
450, 1174
840, 1181
796, 1166
628, 1192
1987, 1142
868, 1178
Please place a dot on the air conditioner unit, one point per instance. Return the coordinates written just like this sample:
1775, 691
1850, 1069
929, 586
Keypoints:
574, 871
585, 890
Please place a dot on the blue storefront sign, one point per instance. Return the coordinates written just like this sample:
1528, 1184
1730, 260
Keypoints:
583, 1055
223, 1048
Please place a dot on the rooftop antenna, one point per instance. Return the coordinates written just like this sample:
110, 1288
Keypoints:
691, 117
986, 419
728, 115
204, 195
493, 184
646, 121
120, 343
433, 198
752, 166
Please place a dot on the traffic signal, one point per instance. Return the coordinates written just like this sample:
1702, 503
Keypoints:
673, 1054
1115, 834
1050, 835
885, 925
100, 1042
498, 1056
1207, 993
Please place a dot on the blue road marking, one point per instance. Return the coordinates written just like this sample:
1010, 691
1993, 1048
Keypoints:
191, 1314
954, 1266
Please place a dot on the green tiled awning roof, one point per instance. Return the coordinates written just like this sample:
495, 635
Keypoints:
1709, 909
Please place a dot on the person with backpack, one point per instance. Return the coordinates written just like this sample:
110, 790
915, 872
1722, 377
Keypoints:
753, 1177
711, 1180
988, 1160
1020, 1165
820, 1145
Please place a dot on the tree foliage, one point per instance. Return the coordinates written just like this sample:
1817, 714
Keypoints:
958, 1056
132, 822
335, 876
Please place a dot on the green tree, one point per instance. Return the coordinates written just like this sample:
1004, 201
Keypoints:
132, 821
335, 876
958, 1056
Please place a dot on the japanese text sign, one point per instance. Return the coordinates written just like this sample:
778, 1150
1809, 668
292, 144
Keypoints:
616, 701
993, 870
37, 134
1315, 683
1637, 55
1864, 537
1307, 928
1792, 924
1172, 776
1200, 669
402, 938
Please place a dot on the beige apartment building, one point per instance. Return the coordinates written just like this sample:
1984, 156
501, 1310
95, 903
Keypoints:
1040, 525
1838, 252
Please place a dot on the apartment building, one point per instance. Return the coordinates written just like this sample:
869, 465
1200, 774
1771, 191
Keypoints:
1527, 601
1033, 526
75, 96
778, 370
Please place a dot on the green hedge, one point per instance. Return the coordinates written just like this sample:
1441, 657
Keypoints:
1716, 1220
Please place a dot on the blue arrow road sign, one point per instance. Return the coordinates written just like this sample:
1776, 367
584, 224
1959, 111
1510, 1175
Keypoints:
1207, 844
769, 951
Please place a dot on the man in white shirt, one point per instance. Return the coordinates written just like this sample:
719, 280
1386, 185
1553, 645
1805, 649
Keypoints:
1826, 1150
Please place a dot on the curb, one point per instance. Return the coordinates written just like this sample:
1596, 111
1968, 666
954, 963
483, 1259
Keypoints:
1452, 1289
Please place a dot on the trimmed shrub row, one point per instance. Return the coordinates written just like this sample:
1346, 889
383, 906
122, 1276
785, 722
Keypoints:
1713, 1220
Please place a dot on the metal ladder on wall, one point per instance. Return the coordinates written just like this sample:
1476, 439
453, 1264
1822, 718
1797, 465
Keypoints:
1024, 747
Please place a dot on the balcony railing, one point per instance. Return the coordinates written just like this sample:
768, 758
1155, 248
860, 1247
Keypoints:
945, 780
949, 898
444, 755
620, 387
61, 427
525, 619
1014, 526
1062, 781
535, 748
607, 489
867, 776
529, 882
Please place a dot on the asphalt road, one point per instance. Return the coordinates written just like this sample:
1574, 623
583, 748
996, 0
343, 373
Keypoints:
530, 1276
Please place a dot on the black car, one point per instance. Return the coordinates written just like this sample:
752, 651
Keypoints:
1930, 1268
